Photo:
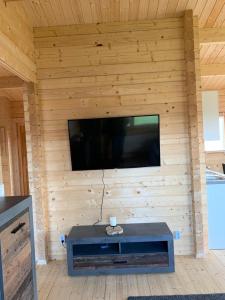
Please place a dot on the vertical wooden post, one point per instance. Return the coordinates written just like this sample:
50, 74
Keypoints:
198, 166
1, 166
35, 169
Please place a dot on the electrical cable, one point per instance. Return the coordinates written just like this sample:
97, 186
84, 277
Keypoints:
102, 202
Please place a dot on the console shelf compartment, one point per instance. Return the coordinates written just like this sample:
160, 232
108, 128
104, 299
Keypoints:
96, 249
142, 248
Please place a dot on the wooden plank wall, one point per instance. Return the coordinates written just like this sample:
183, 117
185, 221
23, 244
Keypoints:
119, 69
16, 41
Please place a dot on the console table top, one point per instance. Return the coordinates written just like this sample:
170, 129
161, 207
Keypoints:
139, 231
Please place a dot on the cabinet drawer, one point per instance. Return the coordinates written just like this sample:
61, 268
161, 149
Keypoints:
16, 259
14, 236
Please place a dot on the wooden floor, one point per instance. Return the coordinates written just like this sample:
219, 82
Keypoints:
191, 276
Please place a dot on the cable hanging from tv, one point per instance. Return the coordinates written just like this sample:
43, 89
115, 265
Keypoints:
102, 201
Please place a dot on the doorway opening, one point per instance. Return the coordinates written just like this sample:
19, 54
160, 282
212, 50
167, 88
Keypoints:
13, 150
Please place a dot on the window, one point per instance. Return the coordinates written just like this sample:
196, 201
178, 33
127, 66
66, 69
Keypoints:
217, 145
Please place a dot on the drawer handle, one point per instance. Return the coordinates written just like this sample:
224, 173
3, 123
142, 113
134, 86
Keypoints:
120, 262
18, 227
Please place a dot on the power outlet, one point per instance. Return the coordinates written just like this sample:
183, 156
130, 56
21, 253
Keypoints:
62, 239
176, 235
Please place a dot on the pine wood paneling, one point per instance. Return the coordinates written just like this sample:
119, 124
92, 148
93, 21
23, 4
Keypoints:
120, 71
66, 12
211, 13
16, 41
191, 277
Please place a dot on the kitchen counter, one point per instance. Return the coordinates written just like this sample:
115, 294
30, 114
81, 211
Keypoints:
214, 178
17, 256
216, 208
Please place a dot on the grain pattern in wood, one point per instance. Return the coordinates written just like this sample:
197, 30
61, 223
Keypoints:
196, 134
125, 70
191, 277
16, 259
35, 167
16, 36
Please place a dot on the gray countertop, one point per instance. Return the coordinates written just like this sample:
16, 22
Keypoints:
214, 178
11, 206
8, 202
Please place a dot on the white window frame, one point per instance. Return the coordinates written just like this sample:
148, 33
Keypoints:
217, 145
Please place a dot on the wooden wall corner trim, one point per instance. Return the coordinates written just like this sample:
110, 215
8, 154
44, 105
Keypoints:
35, 168
200, 221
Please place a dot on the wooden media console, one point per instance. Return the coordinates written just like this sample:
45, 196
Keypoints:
142, 248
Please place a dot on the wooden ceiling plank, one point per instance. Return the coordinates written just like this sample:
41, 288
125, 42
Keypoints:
161, 10
220, 57
86, 11
143, 9
191, 4
213, 53
124, 10
220, 18
152, 9
171, 7
78, 10
203, 52
75, 12
206, 12
133, 9
93, 9
97, 13
206, 52
40, 19
182, 4
68, 12
200, 4
48, 11
58, 11
214, 13
28, 8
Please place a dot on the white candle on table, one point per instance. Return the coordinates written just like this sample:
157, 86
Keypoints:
112, 221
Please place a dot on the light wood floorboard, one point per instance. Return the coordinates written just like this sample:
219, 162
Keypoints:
191, 276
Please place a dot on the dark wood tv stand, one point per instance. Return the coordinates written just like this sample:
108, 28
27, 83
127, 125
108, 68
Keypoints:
142, 248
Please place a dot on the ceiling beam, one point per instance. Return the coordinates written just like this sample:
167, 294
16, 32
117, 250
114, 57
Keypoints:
213, 70
11, 82
212, 35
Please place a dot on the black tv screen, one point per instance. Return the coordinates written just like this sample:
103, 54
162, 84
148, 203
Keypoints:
108, 143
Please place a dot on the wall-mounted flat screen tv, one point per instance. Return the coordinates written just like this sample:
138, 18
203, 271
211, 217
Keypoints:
121, 142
